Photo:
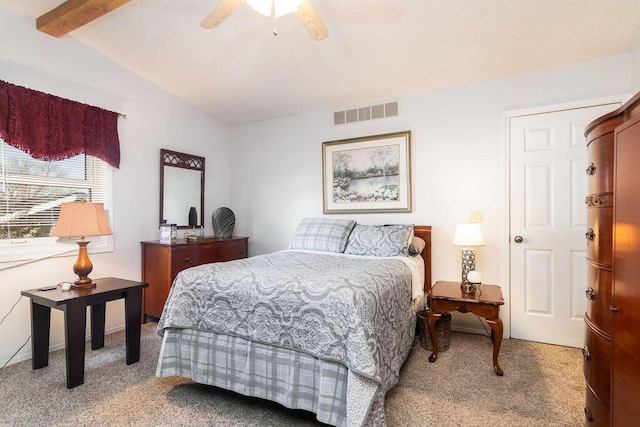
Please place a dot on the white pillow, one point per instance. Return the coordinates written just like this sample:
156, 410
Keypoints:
416, 246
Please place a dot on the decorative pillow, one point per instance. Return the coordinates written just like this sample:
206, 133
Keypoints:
416, 246
379, 240
322, 234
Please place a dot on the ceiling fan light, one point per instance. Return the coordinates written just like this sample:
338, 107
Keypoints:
282, 7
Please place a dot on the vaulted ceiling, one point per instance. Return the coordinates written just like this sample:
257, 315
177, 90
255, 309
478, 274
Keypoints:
376, 49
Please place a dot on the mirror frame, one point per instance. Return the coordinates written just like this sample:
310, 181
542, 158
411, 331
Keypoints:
169, 158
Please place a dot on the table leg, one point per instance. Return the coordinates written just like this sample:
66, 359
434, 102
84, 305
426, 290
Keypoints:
133, 313
431, 320
97, 325
40, 326
496, 335
75, 319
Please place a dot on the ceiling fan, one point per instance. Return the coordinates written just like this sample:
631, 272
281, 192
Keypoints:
303, 9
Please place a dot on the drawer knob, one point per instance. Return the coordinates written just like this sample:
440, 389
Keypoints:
588, 415
591, 294
591, 170
585, 353
613, 310
188, 260
590, 235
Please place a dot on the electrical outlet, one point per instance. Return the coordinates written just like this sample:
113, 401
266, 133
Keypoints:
475, 216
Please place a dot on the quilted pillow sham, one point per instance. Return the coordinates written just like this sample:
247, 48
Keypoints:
322, 234
379, 240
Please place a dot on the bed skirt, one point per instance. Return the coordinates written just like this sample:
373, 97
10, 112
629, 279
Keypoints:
296, 380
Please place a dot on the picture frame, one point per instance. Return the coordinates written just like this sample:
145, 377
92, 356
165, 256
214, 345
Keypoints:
370, 174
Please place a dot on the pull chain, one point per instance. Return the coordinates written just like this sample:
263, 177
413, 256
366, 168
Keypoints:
273, 13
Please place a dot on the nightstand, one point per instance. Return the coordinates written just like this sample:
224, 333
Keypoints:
445, 297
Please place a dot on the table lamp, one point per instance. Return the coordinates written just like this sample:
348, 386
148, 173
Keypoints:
81, 219
468, 235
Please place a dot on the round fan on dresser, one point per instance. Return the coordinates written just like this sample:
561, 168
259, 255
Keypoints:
223, 221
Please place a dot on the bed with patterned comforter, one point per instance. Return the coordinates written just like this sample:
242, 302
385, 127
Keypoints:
347, 310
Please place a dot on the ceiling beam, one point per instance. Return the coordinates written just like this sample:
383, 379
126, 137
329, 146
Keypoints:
74, 14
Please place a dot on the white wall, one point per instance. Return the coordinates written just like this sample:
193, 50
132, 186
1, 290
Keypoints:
458, 161
155, 119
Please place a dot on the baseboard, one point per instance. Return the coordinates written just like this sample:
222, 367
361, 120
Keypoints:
28, 355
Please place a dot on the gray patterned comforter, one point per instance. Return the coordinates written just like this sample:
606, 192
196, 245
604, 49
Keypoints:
352, 310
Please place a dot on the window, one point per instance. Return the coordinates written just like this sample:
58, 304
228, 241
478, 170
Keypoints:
31, 192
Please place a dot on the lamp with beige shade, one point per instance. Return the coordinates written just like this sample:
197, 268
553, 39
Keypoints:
81, 219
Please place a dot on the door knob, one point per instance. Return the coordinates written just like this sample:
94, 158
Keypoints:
518, 239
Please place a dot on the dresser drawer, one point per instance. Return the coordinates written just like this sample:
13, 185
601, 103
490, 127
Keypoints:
600, 164
599, 297
596, 364
596, 412
207, 253
599, 234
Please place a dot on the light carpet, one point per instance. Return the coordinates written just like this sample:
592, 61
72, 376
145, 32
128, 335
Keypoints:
542, 386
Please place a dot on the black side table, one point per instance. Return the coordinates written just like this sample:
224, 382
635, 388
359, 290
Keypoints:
74, 304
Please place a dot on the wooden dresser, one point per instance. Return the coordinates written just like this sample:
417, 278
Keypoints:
612, 340
161, 262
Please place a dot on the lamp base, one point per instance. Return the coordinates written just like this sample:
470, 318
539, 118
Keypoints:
468, 263
83, 284
83, 267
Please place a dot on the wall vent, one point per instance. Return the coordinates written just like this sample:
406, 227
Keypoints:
361, 114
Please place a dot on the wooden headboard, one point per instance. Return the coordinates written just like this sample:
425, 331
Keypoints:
424, 232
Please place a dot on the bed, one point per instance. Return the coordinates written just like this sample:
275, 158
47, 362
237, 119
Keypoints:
323, 326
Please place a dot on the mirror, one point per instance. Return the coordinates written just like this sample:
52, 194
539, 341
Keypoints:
181, 188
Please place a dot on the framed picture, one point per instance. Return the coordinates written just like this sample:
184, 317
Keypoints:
367, 175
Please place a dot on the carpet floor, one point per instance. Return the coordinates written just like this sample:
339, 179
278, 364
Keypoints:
542, 386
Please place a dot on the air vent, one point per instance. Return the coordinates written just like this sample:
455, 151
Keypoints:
391, 109
377, 111
361, 114
352, 115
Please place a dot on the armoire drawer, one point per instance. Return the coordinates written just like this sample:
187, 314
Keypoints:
599, 234
600, 165
598, 297
596, 363
596, 412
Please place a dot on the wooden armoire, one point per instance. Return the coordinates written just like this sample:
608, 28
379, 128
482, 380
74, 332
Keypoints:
612, 340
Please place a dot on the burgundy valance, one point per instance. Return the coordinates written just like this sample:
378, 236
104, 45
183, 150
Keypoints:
48, 127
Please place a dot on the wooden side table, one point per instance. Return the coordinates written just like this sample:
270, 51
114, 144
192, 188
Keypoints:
485, 302
74, 304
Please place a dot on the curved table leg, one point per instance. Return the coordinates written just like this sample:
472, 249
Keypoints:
431, 320
496, 337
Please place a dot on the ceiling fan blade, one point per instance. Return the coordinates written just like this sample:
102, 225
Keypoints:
220, 13
311, 21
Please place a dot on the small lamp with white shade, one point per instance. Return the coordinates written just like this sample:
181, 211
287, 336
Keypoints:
468, 235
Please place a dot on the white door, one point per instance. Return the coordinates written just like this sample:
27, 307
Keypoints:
548, 185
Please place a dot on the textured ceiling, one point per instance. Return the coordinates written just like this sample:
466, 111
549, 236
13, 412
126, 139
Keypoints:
376, 49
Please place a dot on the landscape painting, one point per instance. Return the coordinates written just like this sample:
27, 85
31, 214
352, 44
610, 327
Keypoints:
366, 175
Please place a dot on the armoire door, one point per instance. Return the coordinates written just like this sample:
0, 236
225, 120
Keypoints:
625, 302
